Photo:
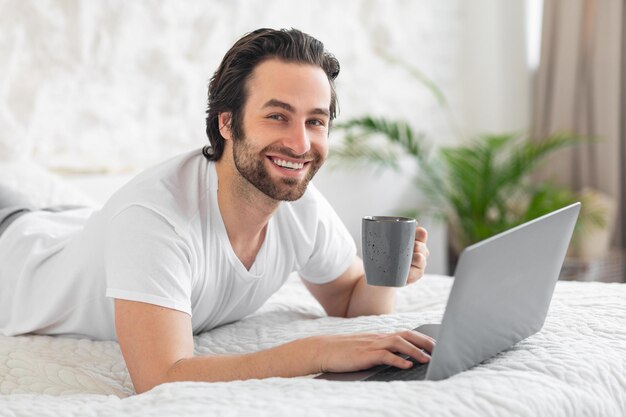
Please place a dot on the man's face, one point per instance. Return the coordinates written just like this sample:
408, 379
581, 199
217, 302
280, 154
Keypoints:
285, 128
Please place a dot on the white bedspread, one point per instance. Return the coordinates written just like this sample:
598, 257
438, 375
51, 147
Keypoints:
575, 366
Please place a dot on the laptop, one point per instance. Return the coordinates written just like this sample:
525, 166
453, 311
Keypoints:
501, 293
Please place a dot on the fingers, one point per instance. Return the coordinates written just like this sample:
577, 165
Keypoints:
409, 343
421, 234
346, 353
388, 358
421, 237
420, 339
418, 264
420, 255
421, 248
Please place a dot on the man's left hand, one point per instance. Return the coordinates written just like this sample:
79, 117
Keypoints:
420, 255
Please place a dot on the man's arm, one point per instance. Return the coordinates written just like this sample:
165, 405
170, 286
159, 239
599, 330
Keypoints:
157, 345
350, 296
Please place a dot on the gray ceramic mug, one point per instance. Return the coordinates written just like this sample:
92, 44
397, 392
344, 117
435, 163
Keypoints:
387, 249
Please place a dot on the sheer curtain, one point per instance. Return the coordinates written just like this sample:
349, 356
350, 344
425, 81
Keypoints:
581, 88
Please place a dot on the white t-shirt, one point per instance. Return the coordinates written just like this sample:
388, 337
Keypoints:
161, 240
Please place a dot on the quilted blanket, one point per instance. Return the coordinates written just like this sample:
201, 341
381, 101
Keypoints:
575, 366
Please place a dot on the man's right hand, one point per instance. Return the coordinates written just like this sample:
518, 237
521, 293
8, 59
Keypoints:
353, 352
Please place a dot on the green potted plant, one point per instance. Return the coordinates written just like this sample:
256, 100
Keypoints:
479, 188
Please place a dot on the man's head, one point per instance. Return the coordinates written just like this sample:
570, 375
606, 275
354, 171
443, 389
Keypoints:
270, 71
228, 87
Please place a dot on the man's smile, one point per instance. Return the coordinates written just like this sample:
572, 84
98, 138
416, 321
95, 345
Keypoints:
289, 165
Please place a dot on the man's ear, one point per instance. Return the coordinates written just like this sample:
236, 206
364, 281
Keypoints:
224, 120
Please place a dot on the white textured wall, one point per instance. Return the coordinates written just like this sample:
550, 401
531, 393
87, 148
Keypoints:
114, 86
110, 85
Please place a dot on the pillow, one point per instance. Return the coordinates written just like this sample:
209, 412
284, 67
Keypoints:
42, 187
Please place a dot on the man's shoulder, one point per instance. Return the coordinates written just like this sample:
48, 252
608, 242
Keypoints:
176, 168
169, 188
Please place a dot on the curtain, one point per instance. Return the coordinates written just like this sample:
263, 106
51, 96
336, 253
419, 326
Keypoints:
580, 87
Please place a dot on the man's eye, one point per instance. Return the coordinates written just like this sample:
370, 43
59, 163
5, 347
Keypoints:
317, 122
276, 117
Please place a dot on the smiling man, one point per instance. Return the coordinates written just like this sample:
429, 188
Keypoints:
205, 238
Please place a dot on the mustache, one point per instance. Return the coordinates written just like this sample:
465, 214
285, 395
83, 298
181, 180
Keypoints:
310, 155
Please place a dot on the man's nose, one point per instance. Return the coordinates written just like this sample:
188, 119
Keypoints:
298, 139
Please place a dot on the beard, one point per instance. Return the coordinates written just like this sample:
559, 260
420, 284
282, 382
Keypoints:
251, 165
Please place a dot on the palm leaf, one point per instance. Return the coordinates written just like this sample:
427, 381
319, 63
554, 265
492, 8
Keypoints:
524, 157
399, 133
481, 188
358, 150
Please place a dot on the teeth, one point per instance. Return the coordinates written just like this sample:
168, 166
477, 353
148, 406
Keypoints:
287, 164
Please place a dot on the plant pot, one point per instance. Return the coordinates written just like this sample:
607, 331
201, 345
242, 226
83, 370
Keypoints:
593, 241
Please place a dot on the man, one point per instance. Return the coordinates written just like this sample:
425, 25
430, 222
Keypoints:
205, 238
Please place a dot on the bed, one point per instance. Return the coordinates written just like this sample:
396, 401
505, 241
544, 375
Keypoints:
575, 366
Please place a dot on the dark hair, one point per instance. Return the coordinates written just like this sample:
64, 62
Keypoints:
227, 88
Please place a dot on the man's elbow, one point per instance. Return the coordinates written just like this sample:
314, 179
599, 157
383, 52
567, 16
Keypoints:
144, 383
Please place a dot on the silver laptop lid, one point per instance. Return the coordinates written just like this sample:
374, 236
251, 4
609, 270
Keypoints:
501, 292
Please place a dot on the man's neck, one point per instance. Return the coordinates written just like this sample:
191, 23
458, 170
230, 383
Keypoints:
245, 212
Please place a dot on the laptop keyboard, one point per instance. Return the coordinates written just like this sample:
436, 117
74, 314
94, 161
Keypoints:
391, 373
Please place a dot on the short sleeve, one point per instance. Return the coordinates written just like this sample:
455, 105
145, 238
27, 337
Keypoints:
334, 249
147, 261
